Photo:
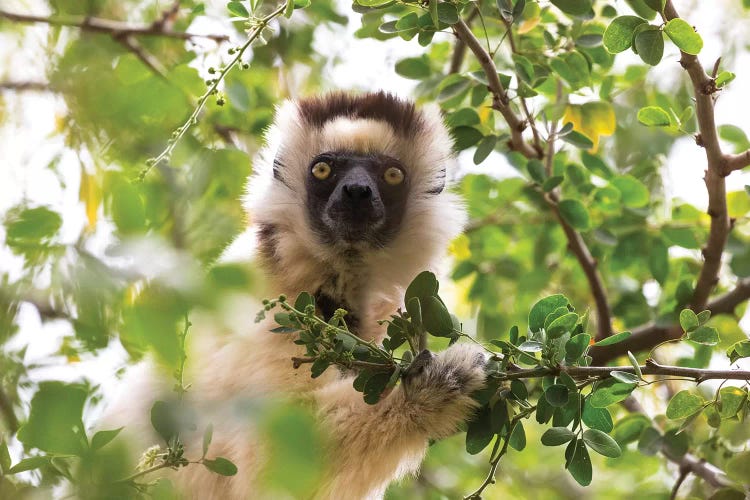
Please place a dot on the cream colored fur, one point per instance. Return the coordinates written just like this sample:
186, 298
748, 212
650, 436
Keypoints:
371, 444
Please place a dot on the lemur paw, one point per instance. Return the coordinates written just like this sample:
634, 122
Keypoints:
457, 371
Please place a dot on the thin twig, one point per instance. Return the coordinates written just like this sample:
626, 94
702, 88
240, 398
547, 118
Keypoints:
365, 365
260, 25
110, 27
650, 368
589, 267
500, 100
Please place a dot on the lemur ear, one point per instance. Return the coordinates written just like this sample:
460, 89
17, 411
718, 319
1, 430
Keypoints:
440, 184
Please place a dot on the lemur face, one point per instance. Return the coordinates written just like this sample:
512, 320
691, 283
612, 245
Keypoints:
356, 198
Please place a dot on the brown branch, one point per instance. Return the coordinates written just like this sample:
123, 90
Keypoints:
131, 44
736, 162
590, 269
110, 27
650, 368
459, 49
500, 101
704, 87
647, 336
24, 86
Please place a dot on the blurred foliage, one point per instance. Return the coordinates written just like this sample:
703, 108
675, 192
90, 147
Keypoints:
614, 121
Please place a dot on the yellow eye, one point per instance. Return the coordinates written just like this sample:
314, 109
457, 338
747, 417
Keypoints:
394, 176
321, 170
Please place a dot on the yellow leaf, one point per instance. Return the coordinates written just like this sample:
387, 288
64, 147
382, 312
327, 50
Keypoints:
91, 195
592, 119
528, 25
459, 248
738, 204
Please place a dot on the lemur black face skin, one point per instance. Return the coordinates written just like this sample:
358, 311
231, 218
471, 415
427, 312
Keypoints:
355, 197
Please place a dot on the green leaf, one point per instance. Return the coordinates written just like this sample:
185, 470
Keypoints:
626, 377
102, 438
653, 116
573, 7
739, 350
619, 34
562, 325
576, 346
557, 436
531, 346
613, 339
424, 285
237, 9
704, 316
447, 13
688, 320
519, 390
536, 171
542, 308
303, 300
633, 192
484, 148
574, 213
658, 260
732, 399
375, 386
738, 467
649, 44
31, 225
579, 462
557, 395
517, 439
602, 443
165, 420
724, 77
684, 36
4, 457
466, 137
596, 418
650, 441
207, 436
479, 432
436, 318
414, 308
635, 364
706, 335
629, 428
734, 135
220, 465
609, 392
30, 463
55, 420
684, 404
318, 367
578, 140
415, 68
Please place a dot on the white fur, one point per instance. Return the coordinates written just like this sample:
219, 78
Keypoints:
371, 444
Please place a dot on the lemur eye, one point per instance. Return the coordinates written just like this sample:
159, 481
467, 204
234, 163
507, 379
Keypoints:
321, 170
394, 176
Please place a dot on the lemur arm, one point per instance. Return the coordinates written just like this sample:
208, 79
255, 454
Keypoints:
375, 443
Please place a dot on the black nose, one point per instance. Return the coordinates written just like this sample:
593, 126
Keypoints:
357, 192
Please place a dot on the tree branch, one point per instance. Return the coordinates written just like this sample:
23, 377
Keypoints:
650, 368
736, 162
500, 101
590, 269
110, 27
647, 336
704, 87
